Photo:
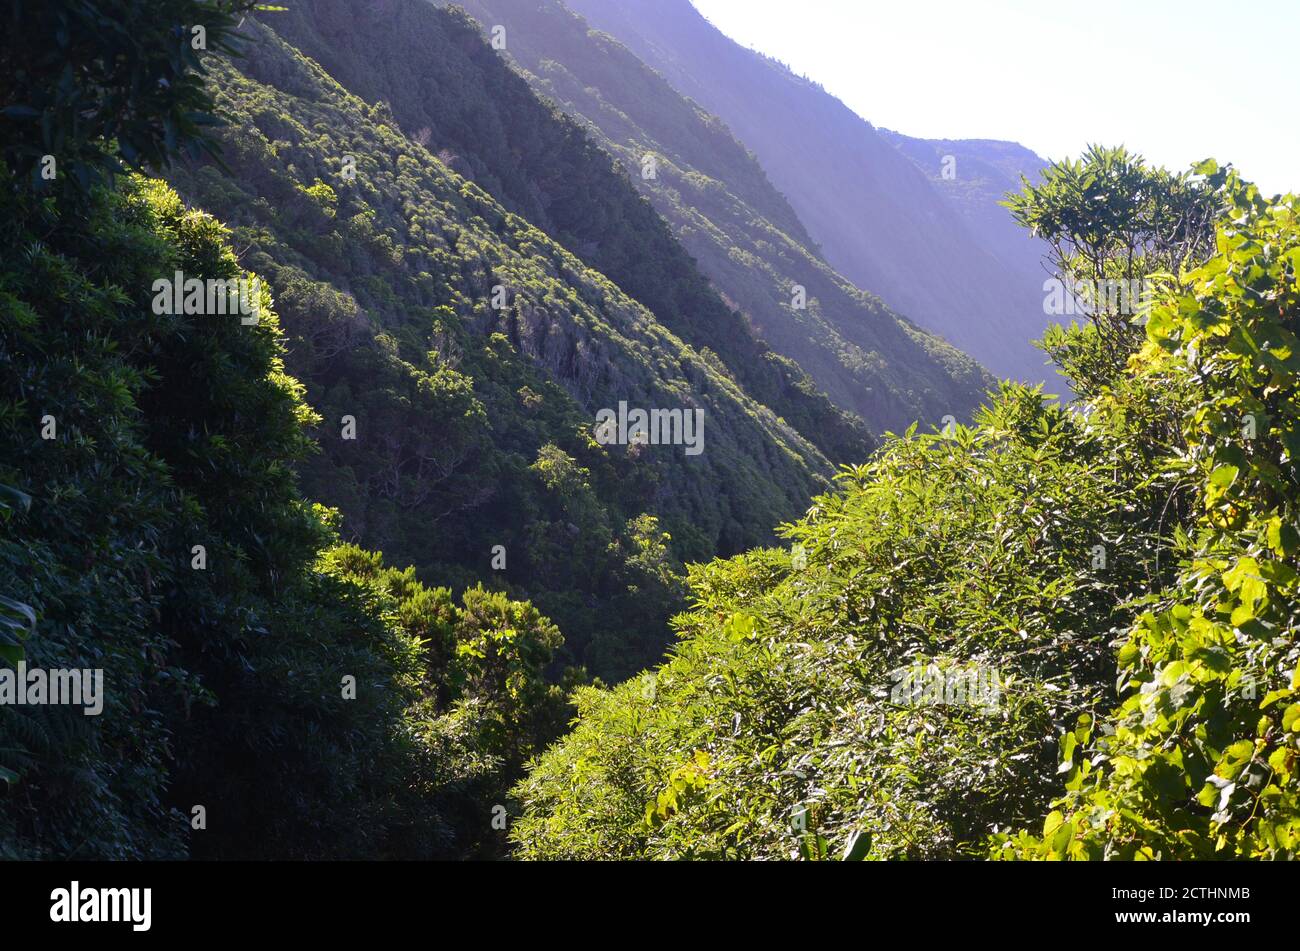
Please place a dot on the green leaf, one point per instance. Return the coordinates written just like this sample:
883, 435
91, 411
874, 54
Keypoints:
15, 609
857, 847
11, 497
1224, 476
1052, 823
740, 627
1234, 758
1290, 716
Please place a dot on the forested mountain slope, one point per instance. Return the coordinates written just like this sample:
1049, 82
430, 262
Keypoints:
878, 220
451, 91
742, 232
151, 524
242, 685
473, 422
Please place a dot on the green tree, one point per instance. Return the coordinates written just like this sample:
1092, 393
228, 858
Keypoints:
82, 76
1113, 224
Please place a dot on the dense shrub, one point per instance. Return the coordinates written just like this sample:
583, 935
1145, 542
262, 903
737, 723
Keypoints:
1152, 529
1200, 758
224, 686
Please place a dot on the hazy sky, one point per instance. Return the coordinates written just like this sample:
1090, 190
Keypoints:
1176, 80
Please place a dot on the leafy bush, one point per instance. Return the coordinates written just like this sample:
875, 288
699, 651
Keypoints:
1200, 758
1153, 528
81, 75
1002, 555
225, 687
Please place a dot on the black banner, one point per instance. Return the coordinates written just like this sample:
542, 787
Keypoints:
340, 900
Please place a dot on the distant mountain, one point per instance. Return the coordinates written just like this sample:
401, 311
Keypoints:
878, 217
743, 233
984, 171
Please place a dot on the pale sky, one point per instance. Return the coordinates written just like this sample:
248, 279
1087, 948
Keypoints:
1175, 80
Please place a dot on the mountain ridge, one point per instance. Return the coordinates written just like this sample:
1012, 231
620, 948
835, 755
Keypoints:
866, 358
875, 214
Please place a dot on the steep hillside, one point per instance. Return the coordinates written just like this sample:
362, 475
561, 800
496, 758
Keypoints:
742, 232
449, 90
213, 675
468, 354
876, 216
1054, 633
152, 527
